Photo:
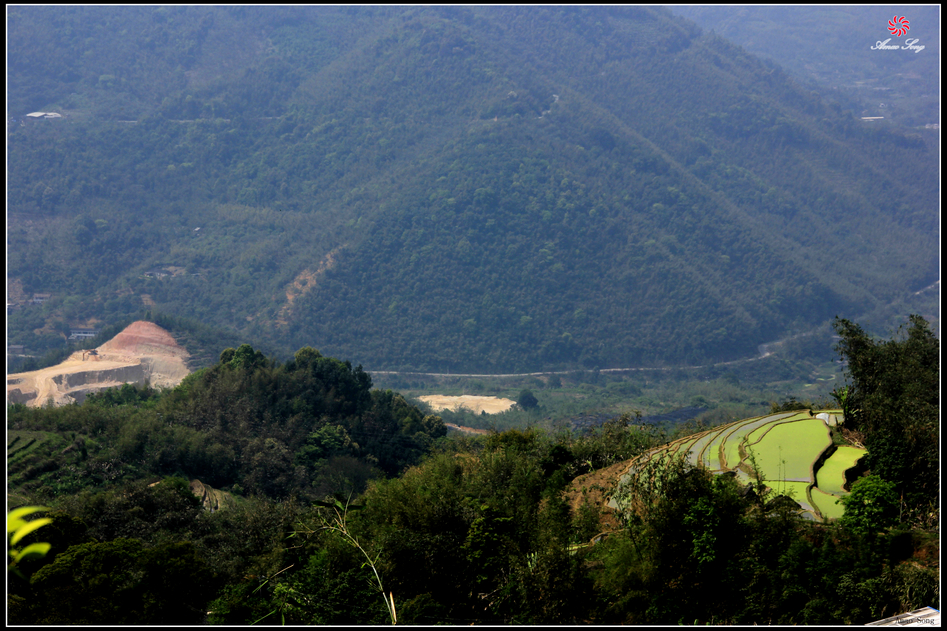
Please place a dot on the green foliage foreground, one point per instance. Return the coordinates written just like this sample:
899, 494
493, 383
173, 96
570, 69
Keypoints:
453, 531
895, 408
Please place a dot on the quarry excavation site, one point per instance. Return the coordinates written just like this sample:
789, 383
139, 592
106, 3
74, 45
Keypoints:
143, 352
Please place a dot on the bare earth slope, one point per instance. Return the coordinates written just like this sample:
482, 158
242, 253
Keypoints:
142, 352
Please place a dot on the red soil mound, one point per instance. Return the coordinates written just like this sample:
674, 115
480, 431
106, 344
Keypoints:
142, 353
143, 338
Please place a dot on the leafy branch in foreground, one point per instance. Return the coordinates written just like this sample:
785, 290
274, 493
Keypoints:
18, 527
339, 524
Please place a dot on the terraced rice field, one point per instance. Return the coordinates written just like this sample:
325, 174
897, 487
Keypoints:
827, 503
786, 447
787, 450
831, 476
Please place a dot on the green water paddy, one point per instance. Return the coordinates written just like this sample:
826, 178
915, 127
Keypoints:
731, 450
825, 502
786, 447
759, 429
787, 450
831, 476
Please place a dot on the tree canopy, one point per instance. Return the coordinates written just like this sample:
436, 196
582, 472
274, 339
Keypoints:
894, 400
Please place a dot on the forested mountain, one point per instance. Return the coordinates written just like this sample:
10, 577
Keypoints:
449, 187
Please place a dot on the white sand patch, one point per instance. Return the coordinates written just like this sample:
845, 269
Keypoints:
476, 404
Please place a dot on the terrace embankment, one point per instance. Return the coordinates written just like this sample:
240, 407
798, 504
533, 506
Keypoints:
142, 353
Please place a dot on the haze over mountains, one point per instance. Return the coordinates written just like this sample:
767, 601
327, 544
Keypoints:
836, 48
448, 188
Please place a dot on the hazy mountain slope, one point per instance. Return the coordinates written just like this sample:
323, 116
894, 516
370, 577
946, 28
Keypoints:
492, 290
831, 47
477, 188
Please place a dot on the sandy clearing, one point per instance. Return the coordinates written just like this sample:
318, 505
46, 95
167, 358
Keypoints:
476, 404
143, 338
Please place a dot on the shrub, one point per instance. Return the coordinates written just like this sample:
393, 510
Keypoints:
871, 507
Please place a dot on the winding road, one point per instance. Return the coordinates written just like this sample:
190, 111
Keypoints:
764, 350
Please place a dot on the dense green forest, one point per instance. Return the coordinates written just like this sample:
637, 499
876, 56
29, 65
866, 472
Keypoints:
446, 188
346, 504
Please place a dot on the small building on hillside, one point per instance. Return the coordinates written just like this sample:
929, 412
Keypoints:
39, 115
39, 299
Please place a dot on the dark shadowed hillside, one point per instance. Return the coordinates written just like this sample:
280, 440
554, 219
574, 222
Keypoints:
448, 188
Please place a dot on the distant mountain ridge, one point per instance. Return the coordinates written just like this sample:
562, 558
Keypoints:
464, 188
836, 47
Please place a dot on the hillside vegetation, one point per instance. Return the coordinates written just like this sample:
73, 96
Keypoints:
305, 428
328, 494
486, 189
